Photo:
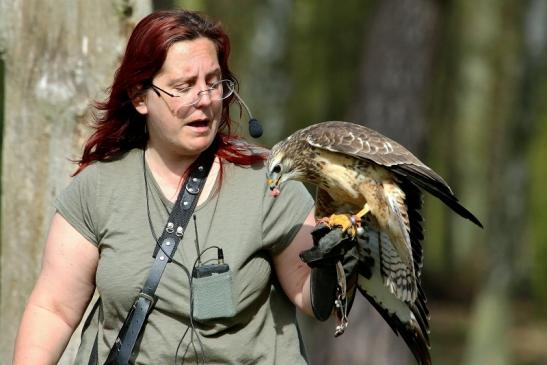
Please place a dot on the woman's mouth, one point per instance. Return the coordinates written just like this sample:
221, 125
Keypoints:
201, 125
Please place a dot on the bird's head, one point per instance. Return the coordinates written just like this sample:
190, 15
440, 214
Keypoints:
282, 166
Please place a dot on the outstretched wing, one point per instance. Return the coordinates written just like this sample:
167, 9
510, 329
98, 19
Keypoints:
349, 160
408, 319
359, 141
396, 253
364, 143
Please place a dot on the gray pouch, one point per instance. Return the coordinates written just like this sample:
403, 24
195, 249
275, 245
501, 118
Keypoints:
213, 296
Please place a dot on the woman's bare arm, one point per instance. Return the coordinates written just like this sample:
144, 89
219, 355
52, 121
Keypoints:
292, 272
62, 292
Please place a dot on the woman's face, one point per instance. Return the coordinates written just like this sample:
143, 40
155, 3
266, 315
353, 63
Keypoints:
175, 129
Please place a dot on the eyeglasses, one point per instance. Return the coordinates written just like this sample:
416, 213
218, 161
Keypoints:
218, 90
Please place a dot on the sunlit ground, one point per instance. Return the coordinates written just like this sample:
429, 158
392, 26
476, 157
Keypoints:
450, 322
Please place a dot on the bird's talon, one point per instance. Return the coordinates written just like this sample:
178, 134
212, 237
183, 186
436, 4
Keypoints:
324, 220
348, 223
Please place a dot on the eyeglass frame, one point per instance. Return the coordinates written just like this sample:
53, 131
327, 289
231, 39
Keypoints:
231, 87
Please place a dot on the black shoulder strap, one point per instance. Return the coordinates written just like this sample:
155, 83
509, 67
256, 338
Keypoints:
164, 251
94, 350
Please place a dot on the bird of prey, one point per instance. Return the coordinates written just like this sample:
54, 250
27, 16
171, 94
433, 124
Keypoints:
370, 186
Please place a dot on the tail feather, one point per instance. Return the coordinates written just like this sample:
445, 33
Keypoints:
435, 185
421, 303
413, 335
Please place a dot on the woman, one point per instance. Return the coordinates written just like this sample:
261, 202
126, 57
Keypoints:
168, 104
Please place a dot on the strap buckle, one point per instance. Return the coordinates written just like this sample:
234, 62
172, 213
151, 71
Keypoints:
149, 298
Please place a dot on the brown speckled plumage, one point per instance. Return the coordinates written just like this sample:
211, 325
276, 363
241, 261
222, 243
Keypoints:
352, 166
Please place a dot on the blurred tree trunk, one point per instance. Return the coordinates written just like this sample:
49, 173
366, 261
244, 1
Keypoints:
391, 92
58, 55
481, 140
327, 39
389, 96
500, 110
536, 42
259, 48
522, 93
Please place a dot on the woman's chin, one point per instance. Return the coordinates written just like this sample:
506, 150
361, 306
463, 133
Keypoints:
198, 145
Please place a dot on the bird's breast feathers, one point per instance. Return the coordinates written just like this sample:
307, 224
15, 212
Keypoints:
344, 176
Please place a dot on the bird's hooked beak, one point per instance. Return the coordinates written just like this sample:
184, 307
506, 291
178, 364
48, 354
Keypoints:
274, 187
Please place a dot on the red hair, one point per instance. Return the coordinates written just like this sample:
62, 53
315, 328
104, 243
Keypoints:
119, 127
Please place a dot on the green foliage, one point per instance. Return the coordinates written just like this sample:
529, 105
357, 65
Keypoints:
538, 197
327, 50
2, 101
2, 83
460, 115
297, 61
492, 315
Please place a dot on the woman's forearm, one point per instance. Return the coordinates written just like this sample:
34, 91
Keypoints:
42, 337
292, 272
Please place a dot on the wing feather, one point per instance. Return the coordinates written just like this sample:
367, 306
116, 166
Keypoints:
364, 143
431, 185
380, 262
398, 271
410, 320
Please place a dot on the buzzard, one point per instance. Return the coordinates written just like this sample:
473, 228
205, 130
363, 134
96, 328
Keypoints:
369, 185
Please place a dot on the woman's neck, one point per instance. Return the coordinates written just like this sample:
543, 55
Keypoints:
167, 170
168, 173
168, 164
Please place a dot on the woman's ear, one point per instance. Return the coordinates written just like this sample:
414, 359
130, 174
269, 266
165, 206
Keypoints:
138, 99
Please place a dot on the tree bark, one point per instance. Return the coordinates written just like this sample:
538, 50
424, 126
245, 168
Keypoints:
58, 56
395, 77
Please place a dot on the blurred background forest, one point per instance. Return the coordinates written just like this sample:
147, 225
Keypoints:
461, 83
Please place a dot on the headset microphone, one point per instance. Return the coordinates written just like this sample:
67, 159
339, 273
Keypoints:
255, 129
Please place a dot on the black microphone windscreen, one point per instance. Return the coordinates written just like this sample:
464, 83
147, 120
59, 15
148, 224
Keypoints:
255, 129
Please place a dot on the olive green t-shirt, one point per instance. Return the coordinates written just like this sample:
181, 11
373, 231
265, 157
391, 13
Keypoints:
107, 204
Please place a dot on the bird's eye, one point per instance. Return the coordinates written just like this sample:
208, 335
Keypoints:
277, 169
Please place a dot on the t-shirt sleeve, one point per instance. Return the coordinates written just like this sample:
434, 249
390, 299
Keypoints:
284, 215
77, 203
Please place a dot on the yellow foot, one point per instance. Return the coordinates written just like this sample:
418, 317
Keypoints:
348, 223
363, 211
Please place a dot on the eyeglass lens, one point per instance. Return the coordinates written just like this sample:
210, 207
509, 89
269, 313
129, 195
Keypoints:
217, 91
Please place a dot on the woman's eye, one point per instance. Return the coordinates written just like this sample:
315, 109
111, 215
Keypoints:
214, 84
183, 90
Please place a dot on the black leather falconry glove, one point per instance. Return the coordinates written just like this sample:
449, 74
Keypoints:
333, 260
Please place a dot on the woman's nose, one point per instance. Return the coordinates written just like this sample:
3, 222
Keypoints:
204, 98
